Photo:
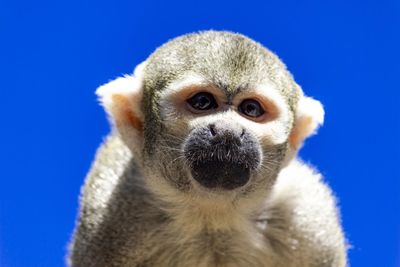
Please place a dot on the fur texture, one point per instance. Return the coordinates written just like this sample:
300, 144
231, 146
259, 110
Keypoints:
141, 207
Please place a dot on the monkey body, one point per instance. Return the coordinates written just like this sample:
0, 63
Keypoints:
296, 226
149, 200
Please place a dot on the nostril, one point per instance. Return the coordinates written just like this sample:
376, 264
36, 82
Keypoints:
243, 132
212, 130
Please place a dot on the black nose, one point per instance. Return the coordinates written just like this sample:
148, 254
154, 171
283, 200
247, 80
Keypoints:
222, 156
233, 136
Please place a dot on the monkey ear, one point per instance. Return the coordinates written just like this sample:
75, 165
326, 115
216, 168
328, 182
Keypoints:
121, 98
309, 117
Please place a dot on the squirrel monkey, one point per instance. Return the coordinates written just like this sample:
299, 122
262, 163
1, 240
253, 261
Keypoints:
201, 167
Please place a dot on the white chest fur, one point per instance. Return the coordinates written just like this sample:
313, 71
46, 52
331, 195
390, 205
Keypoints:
227, 246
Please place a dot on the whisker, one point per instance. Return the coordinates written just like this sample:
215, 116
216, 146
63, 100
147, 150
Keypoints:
171, 148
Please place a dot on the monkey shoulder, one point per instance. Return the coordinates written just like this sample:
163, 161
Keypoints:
301, 219
112, 168
117, 213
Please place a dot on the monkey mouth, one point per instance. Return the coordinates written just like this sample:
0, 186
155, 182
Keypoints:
220, 174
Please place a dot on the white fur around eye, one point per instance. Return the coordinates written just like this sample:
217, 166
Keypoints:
269, 91
189, 80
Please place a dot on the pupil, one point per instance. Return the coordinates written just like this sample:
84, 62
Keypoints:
203, 101
251, 109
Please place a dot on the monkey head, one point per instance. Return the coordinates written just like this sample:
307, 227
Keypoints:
211, 115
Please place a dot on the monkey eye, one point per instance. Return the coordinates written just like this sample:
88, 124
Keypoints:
251, 108
202, 101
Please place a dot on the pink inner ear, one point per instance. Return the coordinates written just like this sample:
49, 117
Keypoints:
123, 113
301, 130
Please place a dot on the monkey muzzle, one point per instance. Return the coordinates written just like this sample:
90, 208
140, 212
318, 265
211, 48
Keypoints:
222, 157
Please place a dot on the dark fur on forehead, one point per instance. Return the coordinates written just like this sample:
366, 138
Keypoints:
228, 60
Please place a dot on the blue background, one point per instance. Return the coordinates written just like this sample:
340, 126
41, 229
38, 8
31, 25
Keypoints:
54, 54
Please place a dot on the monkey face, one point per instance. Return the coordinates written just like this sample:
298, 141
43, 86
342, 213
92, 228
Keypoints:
221, 142
211, 113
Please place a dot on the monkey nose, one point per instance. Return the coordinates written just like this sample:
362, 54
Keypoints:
231, 136
222, 156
